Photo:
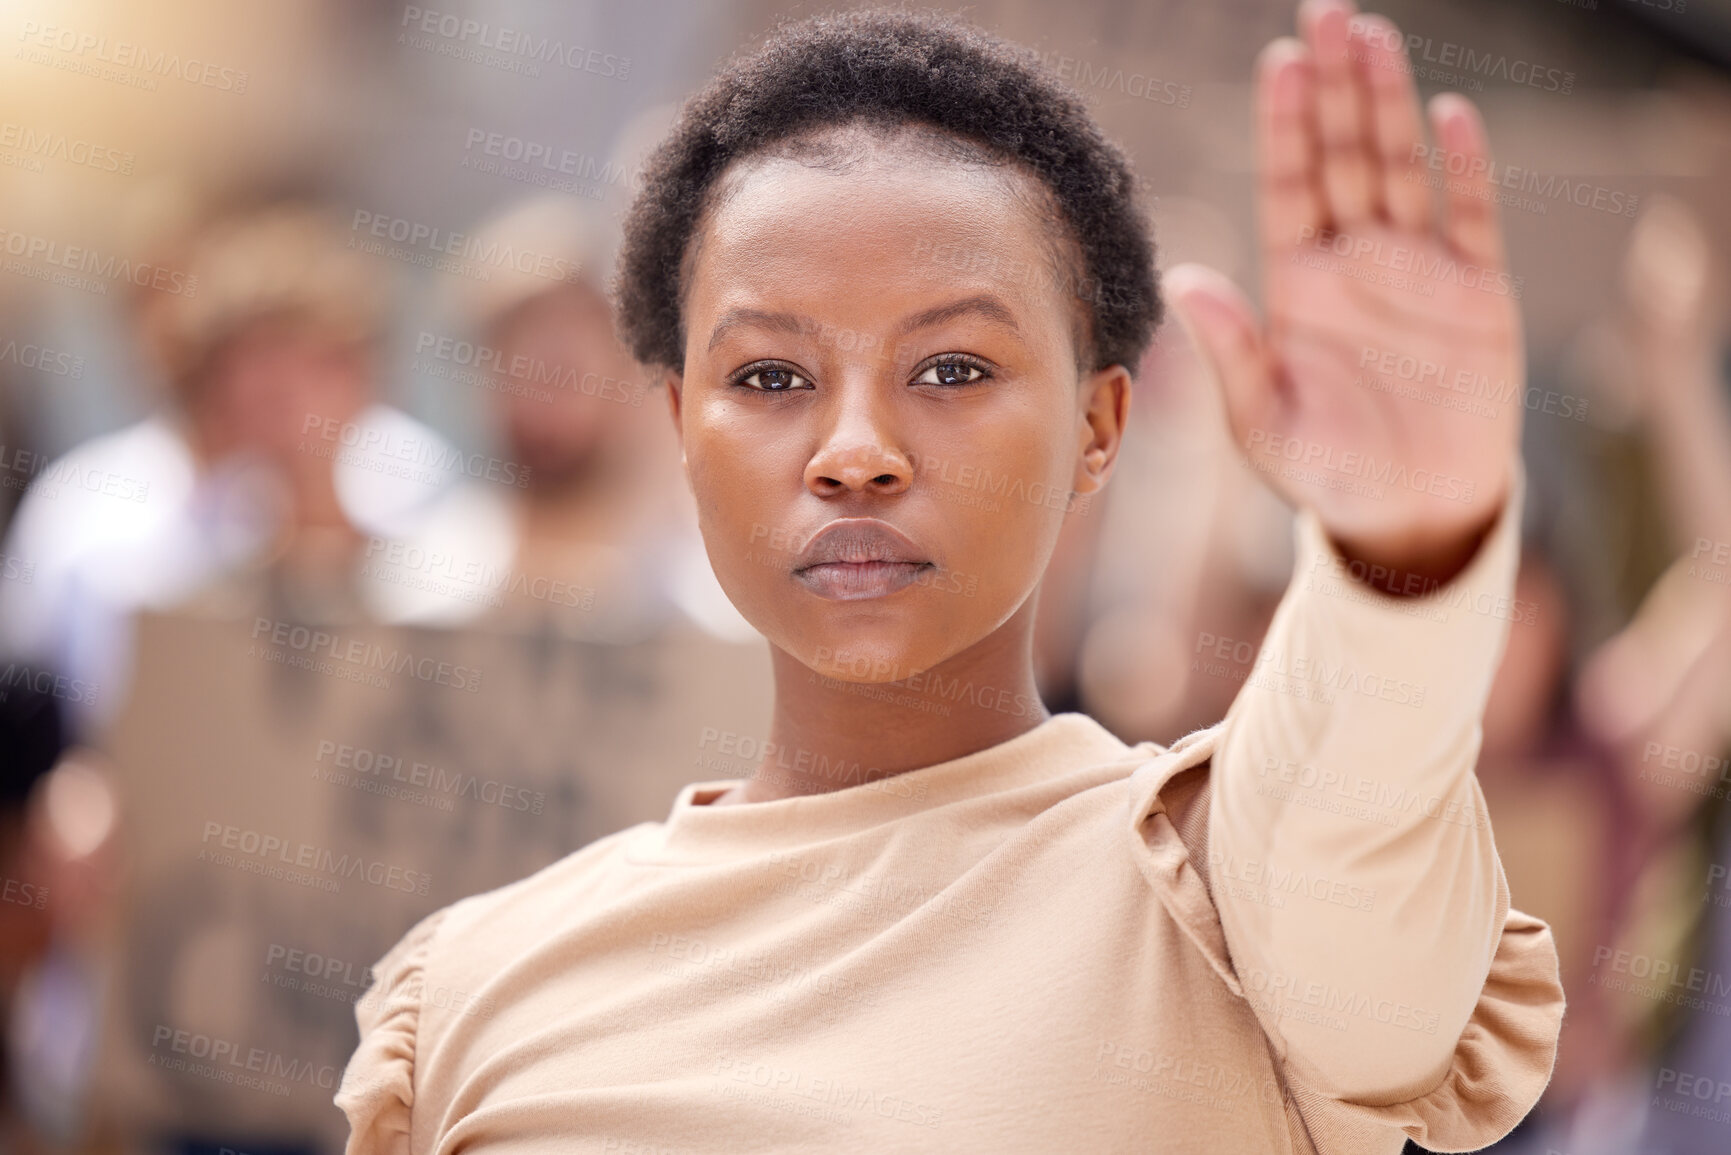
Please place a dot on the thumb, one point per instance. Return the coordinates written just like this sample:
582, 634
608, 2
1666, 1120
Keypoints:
1222, 325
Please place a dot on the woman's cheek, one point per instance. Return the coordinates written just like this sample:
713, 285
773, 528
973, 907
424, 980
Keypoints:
1001, 556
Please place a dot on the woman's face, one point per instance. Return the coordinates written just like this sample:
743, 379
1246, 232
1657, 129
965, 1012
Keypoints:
880, 413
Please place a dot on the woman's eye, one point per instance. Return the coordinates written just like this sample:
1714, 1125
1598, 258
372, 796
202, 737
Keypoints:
774, 380
950, 373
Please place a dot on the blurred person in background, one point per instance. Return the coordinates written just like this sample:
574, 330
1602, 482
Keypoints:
386, 535
57, 870
31, 740
1659, 694
1192, 549
601, 543
270, 361
1609, 840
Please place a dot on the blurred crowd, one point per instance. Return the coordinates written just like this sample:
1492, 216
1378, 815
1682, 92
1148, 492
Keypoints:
275, 539
290, 659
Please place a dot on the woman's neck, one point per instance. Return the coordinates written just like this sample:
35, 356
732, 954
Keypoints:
827, 733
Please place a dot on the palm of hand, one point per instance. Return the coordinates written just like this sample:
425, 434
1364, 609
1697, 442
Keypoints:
1385, 389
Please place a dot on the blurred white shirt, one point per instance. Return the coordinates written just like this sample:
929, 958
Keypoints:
126, 523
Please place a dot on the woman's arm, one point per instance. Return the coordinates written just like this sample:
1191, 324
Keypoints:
1350, 857
1358, 887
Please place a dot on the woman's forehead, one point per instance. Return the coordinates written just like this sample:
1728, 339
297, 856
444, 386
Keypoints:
889, 216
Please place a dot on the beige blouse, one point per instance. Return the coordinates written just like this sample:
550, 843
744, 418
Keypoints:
1286, 933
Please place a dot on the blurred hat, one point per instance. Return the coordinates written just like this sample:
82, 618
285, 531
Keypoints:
574, 234
287, 261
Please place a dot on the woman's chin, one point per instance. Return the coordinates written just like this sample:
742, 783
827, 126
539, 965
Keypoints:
870, 657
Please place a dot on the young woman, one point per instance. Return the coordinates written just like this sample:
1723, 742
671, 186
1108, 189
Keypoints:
896, 280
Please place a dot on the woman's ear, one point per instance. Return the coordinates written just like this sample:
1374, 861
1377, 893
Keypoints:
674, 383
1106, 408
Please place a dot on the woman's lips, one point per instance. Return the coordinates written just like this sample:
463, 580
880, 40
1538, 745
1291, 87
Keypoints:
853, 580
859, 557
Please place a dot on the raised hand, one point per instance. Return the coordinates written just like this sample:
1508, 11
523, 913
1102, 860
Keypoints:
1385, 388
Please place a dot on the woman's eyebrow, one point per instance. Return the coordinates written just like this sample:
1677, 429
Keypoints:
783, 322
983, 304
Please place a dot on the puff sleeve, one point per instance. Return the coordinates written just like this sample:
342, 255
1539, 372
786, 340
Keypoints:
1499, 1063
378, 1087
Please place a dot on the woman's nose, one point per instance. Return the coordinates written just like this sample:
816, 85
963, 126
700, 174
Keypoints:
859, 452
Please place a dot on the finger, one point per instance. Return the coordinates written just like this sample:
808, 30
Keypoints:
1350, 180
1395, 126
1472, 227
1667, 270
1291, 202
1222, 325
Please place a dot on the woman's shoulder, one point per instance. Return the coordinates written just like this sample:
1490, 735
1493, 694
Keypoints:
440, 970
503, 921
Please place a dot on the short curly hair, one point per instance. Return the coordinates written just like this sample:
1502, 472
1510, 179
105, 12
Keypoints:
887, 69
